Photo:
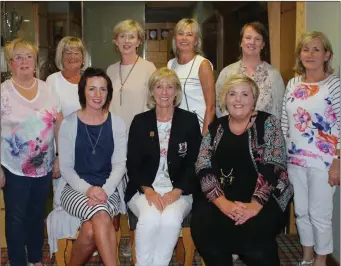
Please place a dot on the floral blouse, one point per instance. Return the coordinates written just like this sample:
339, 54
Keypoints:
267, 149
27, 130
311, 121
269, 81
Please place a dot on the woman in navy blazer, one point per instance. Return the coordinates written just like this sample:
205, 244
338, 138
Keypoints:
163, 146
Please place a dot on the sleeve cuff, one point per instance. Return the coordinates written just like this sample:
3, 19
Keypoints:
211, 187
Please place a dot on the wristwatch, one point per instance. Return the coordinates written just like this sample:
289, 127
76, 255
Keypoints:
337, 157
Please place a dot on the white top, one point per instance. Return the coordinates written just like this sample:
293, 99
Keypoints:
311, 121
162, 183
68, 92
135, 89
192, 95
27, 130
269, 81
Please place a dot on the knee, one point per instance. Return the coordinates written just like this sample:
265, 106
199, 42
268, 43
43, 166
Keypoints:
87, 232
301, 211
149, 220
102, 217
171, 220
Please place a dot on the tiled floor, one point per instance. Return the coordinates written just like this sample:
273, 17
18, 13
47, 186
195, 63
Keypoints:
289, 252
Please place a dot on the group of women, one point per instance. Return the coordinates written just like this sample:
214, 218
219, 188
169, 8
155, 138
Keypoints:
91, 131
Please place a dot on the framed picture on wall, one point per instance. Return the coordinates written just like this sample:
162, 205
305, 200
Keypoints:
164, 34
153, 34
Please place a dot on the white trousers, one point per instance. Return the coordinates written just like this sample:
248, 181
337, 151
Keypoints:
157, 232
313, 200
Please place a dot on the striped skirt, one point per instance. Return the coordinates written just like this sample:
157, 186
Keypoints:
76, 204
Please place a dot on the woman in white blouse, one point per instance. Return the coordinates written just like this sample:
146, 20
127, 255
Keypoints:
253, 43
71, 59
194, 71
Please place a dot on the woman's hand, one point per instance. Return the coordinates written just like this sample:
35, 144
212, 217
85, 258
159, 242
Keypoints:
244, 214
2, 178
229, 208
334, 173
56, 169
96, 195
171, 196
154, 198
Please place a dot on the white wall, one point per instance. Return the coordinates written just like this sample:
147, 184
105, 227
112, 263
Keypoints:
325, 17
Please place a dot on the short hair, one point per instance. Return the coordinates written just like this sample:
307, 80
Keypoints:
158, 75
89, 73
260, 29
235, 80
129, 25
16, 43
195, 28
67, 43
306, 38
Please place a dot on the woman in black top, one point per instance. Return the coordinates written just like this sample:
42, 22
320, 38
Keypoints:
242, 171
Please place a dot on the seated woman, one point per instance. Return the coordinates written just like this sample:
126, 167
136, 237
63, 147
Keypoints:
163, 146
242, 171
90, 186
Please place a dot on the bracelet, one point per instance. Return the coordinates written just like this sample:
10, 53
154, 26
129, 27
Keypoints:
336, 157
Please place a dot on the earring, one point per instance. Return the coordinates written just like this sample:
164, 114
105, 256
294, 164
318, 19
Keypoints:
137, 49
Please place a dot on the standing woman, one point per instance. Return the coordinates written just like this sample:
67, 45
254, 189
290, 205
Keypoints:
254, 46
130, 75
71, 59
311, 125
194, 71
30, 119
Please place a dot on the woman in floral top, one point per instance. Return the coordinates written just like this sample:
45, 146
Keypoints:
311, 124
30, 118
253, 43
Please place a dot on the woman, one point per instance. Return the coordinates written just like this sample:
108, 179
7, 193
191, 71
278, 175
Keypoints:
30, 119
71, 59
130, 75
242, 171
90, 188
194, 71
254, 46
311, 124
162, 148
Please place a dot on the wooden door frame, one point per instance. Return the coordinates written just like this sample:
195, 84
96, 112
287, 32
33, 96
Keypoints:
274, 17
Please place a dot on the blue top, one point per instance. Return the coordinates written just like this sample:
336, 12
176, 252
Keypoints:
94, 168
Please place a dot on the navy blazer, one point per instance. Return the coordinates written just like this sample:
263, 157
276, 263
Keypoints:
144, 151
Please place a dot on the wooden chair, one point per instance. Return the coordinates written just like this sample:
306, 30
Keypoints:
185, 248
63, 255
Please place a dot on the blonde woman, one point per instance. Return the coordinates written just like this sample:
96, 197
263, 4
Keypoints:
311, 125
163, 145
71, 59
130, 75
242, 170
30, 119
194, 71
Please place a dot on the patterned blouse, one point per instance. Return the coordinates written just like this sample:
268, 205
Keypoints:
269, 81
27, 130
311, 121
267, 148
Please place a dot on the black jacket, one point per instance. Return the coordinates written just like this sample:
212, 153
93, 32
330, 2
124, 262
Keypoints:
144, 151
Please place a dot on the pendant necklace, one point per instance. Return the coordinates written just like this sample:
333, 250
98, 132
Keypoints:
120, 72
93, 146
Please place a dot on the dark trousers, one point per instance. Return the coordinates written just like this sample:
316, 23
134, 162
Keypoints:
216, 240
25, 199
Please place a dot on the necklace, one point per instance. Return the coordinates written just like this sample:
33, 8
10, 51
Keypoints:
200, 119
122, 83
25, 88
252, 116
93, 146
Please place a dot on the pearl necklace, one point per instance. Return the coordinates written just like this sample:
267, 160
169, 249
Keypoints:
24, 88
